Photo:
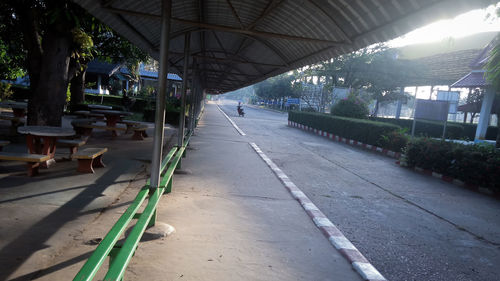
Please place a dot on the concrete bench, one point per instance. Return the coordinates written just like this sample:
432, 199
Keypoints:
3, 143
33, 160
87, 129
82, 113
130, 124
140, 132
73, 145
89, 158
14, 120
97, 115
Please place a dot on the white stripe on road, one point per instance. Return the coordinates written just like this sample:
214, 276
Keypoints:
232, 122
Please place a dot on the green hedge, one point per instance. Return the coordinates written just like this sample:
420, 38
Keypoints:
470, 131
432, 129
473, 164
365, 131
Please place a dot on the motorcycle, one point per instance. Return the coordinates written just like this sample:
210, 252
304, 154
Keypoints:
241, 113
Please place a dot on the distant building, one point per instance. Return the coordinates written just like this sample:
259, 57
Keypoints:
101, 77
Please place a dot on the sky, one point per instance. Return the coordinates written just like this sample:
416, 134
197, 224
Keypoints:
463, 25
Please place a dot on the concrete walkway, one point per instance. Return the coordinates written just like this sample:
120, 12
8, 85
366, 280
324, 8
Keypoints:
44, 216
234, 220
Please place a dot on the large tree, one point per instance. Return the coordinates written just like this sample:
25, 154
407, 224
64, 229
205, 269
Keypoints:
56, 39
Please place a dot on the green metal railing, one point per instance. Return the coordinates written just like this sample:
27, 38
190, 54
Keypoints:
120, 255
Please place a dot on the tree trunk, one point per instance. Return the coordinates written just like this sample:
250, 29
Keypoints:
77, 88
49, 96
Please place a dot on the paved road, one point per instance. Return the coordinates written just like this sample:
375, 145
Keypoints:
410, 226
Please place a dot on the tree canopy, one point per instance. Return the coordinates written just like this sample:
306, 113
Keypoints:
52, 41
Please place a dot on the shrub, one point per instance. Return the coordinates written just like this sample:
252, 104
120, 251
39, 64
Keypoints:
309, 109
395, 140
474, 164
352, 107
365, 131
5, 91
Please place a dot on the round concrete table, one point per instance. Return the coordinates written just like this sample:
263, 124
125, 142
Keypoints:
98, 106
112, 117
36, 134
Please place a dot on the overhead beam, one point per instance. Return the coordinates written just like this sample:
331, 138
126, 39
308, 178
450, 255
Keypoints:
235, 14
229, 28
237, 61
228, 73
229, 58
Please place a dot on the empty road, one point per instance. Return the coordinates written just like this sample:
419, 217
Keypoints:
410, 226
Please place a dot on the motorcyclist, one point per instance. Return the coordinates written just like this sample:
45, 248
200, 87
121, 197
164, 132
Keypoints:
240, 109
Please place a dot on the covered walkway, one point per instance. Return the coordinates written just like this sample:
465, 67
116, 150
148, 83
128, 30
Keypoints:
234, 220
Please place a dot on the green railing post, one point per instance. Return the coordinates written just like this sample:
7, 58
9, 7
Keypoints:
168, 189
152, 222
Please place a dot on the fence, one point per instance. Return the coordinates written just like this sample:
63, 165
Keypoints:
120, 255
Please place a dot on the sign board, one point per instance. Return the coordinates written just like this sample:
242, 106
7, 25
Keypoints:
451, 97
436, 110
292, 101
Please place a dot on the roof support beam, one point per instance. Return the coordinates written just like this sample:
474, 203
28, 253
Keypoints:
270, 7
229, 73
229, 28
233, 10
228, 60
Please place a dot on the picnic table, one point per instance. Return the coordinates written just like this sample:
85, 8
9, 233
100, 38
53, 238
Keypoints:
42, 140
18, 108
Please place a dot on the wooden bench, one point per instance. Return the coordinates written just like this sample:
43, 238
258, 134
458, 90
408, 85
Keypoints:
3, 143
89, 158
73, 145
140, 132
33, 160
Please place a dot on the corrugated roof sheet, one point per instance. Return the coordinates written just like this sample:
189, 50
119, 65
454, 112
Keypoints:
253, 40
473, 79
100, 67
444, 69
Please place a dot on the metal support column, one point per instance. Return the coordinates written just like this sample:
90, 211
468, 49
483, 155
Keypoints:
166, 12
180, 137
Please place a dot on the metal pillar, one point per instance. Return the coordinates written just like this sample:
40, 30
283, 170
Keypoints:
166, 11
182, 117
484, 115
400, 103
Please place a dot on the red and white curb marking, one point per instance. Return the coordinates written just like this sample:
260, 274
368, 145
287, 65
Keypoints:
329, 230
232, 122
449, 179
333, 137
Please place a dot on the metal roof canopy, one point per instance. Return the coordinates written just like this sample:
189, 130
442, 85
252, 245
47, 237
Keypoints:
238, 43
